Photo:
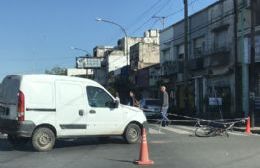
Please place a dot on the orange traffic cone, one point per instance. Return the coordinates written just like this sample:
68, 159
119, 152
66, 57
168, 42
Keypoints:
144, 154
248, 129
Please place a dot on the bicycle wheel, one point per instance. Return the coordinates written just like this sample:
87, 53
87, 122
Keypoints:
222, 132
205, 131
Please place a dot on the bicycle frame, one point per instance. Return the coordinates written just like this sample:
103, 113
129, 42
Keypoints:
213, 128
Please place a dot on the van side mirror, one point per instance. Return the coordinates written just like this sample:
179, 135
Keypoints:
117, 102
112, 104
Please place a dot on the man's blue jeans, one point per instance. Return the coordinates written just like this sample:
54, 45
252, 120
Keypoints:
164, 114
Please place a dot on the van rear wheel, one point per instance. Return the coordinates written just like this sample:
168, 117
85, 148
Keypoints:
132, 133
43, 139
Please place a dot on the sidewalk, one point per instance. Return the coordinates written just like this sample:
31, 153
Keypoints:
255, 130
3, 136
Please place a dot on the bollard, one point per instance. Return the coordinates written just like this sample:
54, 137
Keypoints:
248, 129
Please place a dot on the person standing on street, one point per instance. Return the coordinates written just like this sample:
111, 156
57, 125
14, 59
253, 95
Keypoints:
117, 97
164, 102
133, 101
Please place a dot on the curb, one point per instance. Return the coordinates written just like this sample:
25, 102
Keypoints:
3, 136
254, 131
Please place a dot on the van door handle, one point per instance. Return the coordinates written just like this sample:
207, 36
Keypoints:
81, 112
92, 111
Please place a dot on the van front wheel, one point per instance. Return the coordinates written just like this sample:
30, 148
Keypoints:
132, 133
43, 139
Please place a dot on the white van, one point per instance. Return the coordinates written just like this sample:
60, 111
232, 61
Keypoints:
43, 108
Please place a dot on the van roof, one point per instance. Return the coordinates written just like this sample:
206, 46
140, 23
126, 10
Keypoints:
53, 77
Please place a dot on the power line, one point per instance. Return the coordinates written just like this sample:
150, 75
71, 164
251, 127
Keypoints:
165, 17
154, 23
161, 19
154, 14
182, 9
138, 18
203, 26
148, 20
144, 13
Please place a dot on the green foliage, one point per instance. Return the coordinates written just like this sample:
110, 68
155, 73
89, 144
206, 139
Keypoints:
112, 90
122, 85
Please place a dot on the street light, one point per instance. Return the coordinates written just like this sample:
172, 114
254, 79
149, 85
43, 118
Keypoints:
123, 30
75, 48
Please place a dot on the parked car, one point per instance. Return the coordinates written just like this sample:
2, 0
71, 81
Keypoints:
44, 108
151, 108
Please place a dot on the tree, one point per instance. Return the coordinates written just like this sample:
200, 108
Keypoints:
56, 71
122, 85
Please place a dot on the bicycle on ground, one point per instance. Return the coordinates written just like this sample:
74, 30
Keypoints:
204, 128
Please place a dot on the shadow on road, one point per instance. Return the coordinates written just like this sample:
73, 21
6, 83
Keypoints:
122, 161
5, 146
64, 143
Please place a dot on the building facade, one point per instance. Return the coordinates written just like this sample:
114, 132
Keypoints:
210, 65
84, 73
143, 55
115, 58
100, 75
146, 52
244, 10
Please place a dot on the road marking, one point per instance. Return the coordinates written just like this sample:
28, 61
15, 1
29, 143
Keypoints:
160, 142
175, 130
185, 128
237, 133
155, 131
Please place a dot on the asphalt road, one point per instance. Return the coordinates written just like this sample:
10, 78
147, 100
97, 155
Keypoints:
171, 147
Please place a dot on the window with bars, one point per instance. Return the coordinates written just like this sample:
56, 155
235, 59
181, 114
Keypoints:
198, 47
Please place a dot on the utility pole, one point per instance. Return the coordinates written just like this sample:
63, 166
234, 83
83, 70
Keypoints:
252, 65
161, 18
235, 57
186, 53
245, 63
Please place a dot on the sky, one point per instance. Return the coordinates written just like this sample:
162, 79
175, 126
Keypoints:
36, 35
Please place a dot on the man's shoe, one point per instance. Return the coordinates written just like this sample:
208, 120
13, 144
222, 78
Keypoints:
163, 124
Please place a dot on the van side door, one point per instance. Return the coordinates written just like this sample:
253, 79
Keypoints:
103, 117
71, 108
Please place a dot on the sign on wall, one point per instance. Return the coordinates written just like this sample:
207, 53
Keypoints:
215, 101
88, 62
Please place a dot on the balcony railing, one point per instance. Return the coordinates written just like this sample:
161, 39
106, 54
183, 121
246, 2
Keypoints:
172, 67
198, 52
196, 64
217, 56
205, 58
